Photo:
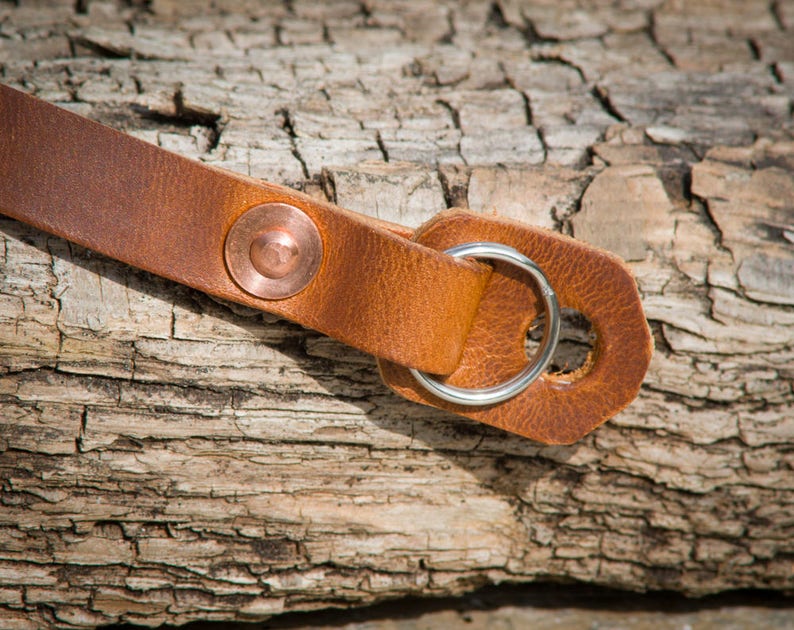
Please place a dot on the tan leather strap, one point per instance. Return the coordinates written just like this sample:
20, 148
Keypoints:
404, 301
170, 215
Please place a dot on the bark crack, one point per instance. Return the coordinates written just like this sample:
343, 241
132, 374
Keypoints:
288, 126
601, 94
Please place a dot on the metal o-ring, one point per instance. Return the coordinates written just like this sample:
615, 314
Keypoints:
478, 397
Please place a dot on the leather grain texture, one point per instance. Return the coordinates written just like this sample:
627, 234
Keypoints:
169, 215
555, 409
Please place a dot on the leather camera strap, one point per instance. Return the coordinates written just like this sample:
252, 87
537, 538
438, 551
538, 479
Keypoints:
169, 215
371, 284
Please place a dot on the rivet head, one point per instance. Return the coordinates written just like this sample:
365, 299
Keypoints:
275, 254
273, 251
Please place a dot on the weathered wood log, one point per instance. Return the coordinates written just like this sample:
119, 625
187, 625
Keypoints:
165, 457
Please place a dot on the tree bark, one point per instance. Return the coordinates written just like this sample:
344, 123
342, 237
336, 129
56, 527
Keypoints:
165, 457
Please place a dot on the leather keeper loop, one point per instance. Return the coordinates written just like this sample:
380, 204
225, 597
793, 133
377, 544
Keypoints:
555, 409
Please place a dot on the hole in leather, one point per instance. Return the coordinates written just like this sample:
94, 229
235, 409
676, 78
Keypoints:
576, 341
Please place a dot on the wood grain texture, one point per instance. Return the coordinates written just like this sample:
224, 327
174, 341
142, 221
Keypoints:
166, 457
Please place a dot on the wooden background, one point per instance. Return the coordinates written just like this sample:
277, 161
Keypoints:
165, 457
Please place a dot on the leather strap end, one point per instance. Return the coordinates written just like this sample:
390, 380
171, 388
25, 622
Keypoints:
556, 408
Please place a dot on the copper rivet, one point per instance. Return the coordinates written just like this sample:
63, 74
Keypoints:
273, 251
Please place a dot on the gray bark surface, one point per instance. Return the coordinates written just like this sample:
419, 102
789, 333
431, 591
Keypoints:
165, 457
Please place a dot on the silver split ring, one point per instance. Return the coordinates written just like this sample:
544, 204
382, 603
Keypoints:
479, 397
